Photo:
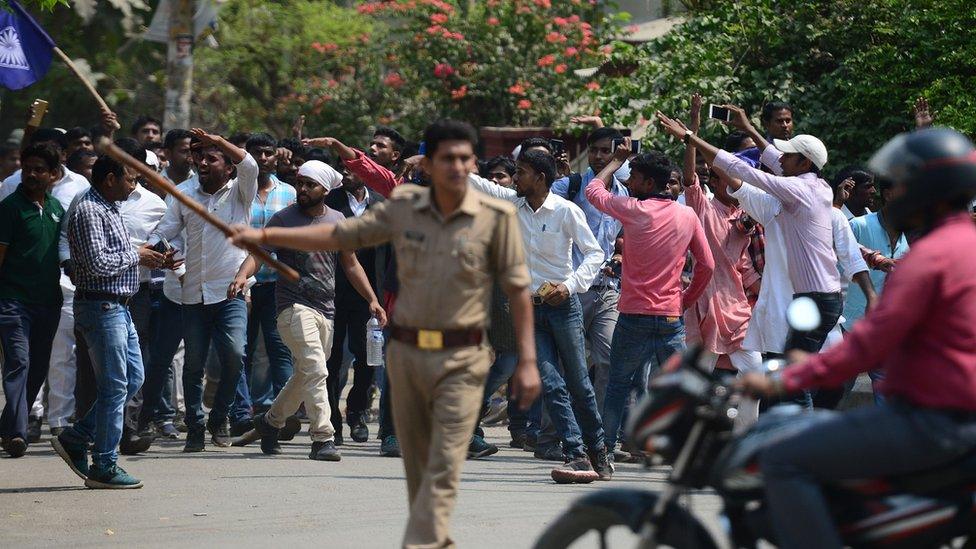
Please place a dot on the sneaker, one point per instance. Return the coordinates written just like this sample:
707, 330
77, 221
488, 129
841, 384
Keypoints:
390, 447
111, 477
270, 435
15, 446
497, 411
549, 453
518, 441
180, 422
359, 431
219, 434
195, 439
575, 471
33, 430
238, 428
325, 451
479, 448
529, 443
75, 454
620, 456
602, 463
167, 430
133, 444
292, 426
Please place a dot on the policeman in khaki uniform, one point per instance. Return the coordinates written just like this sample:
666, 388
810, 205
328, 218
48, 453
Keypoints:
452, 243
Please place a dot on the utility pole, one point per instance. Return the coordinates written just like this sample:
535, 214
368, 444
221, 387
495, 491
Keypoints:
179, 65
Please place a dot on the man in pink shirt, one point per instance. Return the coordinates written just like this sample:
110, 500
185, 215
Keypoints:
921, 334
660, 232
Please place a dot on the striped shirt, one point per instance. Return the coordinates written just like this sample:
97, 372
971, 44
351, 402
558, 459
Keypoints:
279, 197
104, 259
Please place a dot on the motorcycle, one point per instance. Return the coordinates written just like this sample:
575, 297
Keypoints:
686, 422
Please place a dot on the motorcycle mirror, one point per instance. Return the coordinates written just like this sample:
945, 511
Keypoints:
803, 315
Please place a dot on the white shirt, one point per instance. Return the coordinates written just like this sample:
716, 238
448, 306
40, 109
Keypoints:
65, 190
211, 261
549, 234
768, 327
358, 208
141, 213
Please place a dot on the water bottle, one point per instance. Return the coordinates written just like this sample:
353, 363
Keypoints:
374, 342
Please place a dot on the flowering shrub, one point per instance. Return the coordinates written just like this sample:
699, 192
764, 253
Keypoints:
495, 63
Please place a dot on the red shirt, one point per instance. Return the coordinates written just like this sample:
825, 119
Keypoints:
923, 332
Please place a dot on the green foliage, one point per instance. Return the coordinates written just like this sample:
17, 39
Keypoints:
46, 5
851, 68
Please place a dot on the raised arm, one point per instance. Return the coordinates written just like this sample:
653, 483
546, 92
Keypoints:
491, 189
688, 169
740, 121
376, 177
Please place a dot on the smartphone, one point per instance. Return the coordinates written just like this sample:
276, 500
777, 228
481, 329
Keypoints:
558, 146
719, 113
40, 109
635, 146
162, 246
545, 289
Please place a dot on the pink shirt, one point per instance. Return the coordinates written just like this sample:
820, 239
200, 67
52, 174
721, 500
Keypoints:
806, 221
659, 233
922, 332
721, 315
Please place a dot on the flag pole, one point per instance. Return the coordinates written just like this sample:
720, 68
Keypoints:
74, 69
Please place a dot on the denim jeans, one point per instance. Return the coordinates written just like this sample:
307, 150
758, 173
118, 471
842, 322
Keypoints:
500, 373
568, 393
639, 341
26, 335
223, 324
165, 341
113, 346
868, 442
257, 388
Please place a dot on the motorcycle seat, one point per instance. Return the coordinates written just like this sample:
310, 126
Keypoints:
957, 472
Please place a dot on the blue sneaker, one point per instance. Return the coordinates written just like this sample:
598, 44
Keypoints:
112, 477
75, 454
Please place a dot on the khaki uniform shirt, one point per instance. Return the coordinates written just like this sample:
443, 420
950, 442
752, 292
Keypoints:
447, 266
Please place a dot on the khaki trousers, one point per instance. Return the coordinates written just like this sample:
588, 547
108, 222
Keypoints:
436, 397
308, 334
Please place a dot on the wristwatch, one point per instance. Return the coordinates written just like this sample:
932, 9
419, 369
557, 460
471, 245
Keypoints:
687, 137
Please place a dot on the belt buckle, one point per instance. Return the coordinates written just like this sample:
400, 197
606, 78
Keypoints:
537, 300
430, 340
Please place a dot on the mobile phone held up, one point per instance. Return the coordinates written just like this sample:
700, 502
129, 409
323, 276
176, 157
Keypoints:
635, 146
719, 113
558, 147
162, 246
40, 109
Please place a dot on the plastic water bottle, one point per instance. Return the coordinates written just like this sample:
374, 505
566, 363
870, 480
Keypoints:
374, 342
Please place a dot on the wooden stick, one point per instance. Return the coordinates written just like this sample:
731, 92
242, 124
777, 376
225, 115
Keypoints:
109, 148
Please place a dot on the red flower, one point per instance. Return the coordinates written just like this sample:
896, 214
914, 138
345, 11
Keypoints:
517, 88
328, 47
592, 85
571, 52
457, 94
493, 21
393, 80
543, 3
439, 18
560, 68
546, 60
435, 29
560, 21
443, 70
524, 104
554, 37
574, 18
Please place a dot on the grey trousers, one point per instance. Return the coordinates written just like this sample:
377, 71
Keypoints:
599, 322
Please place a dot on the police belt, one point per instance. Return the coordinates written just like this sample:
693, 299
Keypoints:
434, 340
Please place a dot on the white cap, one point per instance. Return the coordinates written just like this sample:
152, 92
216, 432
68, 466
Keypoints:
809, 146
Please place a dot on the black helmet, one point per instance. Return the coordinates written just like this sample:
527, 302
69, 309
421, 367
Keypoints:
935, 165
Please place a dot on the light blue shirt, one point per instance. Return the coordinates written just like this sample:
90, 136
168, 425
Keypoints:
280, 197
871, 234
604, 227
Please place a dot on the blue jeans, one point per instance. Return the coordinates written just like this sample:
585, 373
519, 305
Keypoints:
639, 341
156, 407
258, 388
26, 334
868, 442
560, 346
113, 346
224, 324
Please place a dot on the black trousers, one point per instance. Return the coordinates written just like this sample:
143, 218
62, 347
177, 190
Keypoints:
350, 323
26, 335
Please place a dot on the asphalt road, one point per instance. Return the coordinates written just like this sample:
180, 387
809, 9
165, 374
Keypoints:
238, 497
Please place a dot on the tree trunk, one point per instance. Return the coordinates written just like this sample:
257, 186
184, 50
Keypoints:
179, 65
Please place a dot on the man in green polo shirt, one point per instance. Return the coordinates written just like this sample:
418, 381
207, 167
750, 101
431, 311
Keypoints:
30, 294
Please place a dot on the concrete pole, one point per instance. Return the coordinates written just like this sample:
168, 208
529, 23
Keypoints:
179, 65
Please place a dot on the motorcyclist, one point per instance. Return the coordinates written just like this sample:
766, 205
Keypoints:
923, 333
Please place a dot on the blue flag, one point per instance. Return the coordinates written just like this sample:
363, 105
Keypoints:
25, 49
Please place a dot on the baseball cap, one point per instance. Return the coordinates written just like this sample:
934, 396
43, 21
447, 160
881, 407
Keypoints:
809, 146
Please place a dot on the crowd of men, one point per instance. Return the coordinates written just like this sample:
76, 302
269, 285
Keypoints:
125, 316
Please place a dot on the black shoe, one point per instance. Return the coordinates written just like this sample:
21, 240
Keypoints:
195, 437
15, 447
359, 431
292, 426
219, 433
269, 435
518, 440
33, 429
602, 463
167, 430
479, 448
549, 453
529, 443
325, 451
133, 443
238, 428
390, 447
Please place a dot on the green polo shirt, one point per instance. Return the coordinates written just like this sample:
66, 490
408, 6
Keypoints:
30, 271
